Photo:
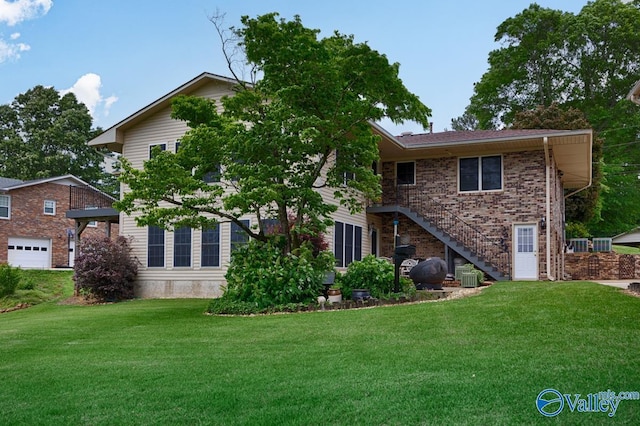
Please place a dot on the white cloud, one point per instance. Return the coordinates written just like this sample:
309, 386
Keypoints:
14, 12
87, 90
11, 51
14, 36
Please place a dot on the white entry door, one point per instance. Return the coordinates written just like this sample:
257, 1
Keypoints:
525, 262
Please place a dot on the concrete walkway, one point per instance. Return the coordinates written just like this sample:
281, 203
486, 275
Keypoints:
616, 283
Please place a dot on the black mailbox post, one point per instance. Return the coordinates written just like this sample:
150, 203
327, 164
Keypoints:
401, 253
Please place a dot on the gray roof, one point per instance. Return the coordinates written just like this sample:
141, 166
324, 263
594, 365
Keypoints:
6, 183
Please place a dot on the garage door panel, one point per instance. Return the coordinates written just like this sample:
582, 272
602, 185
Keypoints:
29, 252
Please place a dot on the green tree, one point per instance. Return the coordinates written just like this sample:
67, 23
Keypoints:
303, 126
585, 205
43, 134
588, 61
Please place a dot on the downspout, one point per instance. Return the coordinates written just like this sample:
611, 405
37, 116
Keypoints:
549, 222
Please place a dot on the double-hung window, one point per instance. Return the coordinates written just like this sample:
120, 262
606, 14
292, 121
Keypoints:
239, 237
5, 207
155, 247
161, 146
210, 247
182, 247
50, 207
347, 243
476, 174
406, 173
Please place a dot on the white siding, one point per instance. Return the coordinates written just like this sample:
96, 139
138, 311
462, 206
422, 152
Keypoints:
194, 281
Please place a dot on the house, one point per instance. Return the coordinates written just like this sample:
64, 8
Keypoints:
35, 230
631, 238
491, 198
495, 199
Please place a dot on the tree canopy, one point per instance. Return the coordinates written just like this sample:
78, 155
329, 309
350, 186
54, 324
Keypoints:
44, 134
588, 61
302, 127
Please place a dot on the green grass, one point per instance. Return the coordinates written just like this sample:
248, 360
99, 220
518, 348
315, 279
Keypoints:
43, 286
479, 360
626, 249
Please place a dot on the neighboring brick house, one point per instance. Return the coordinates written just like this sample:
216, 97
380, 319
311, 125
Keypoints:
35, 231
473, 195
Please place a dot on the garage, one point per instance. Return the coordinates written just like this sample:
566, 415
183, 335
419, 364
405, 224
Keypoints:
29, 252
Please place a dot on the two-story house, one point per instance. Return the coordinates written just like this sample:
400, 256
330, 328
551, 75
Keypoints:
495, 199
35, 229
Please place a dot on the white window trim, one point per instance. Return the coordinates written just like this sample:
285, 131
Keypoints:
45, 207
414, 172
8, 198
480, 190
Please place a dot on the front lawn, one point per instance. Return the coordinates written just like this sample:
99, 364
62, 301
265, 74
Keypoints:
39, 286
477, 360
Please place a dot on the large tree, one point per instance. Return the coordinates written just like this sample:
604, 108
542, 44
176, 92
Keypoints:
43, 134
588, 61
302, 127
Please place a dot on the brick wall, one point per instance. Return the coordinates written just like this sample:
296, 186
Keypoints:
602, 266
29, 221
522, 200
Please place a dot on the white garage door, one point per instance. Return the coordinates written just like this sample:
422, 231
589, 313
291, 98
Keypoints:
29, 253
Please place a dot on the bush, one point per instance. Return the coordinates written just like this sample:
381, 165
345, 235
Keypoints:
106, 269
371, 273
261, 275
9, 279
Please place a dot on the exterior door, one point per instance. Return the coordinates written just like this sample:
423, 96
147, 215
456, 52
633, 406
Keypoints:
525, 262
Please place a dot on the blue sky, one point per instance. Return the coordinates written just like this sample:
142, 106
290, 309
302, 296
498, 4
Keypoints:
120, 55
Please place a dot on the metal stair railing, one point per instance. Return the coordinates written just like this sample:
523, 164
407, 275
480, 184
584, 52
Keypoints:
494, 254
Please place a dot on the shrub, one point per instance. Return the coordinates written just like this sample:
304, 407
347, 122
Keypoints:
106, 269
261, 275
9, 279
371, 273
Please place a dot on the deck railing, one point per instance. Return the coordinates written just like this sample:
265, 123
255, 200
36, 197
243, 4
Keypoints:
84, 198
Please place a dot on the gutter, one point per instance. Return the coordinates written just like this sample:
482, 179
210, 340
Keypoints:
547, 159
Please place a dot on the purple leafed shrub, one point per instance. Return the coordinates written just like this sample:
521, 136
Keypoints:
106, 268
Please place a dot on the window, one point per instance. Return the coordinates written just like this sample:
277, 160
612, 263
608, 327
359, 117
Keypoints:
270, 226
406, 173
347, 243
93, 223
50, 207
155, 247
346, 175
210, 246
182, 247
213, 176
480, 173
238, 236
162, 146
5, 207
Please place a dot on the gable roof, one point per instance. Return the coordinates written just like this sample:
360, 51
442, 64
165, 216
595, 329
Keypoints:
113, 137
571, 148
8, 184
